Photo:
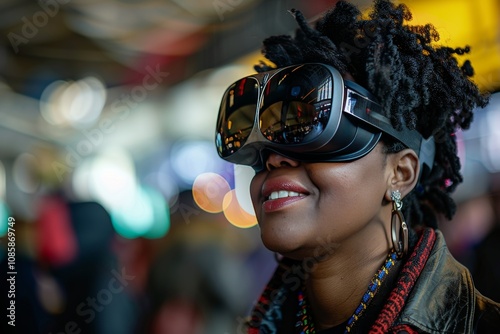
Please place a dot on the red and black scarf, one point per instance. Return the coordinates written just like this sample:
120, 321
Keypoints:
275, 310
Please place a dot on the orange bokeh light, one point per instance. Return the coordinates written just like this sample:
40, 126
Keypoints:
234, 212
209, 190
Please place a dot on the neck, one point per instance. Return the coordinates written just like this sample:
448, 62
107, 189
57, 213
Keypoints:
335, 286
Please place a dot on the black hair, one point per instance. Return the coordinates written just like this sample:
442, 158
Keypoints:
419, 84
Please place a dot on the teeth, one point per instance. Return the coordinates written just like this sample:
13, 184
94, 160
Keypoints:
283, 194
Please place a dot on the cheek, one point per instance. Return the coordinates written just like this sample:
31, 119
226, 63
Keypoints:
336, 190
350, 191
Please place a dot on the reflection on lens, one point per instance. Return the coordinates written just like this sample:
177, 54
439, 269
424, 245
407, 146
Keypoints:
236, 115
300, 123
296, 105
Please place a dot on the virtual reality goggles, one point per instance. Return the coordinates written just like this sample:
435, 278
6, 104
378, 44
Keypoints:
308, 113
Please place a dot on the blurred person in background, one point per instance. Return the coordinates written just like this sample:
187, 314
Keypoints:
194, 283
69, 278
351, 133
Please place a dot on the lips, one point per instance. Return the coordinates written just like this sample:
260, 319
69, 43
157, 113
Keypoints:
279, 193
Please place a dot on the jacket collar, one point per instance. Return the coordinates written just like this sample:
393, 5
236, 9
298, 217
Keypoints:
442, 300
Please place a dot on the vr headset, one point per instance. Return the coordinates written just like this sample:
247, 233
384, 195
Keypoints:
308, 113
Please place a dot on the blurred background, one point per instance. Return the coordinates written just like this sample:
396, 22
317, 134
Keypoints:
126, 221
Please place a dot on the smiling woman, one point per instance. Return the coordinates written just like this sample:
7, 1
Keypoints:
328, 198
348, 193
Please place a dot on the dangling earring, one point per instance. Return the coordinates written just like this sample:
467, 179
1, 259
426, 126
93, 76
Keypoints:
399, 233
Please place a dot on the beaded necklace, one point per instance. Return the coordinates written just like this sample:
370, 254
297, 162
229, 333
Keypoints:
305, 325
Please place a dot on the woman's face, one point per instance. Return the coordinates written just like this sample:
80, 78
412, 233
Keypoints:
302, 207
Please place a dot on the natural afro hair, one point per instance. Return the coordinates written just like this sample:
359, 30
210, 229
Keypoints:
419, 84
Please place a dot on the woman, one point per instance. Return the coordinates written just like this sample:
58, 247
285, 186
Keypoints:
352, 207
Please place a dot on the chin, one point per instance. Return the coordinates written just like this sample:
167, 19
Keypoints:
287, 246
298, 244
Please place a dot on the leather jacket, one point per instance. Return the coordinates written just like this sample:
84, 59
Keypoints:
444, 299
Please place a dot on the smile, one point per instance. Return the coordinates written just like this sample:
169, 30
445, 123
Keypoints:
283, 194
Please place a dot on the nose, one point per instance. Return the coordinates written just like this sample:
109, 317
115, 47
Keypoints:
275, 160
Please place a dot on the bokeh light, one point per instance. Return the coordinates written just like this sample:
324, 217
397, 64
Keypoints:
192, 158
161, 215
145, 215
491, 135
76, 103
80, 182
4, 216
209, 190
213, 194
3, 180
109, 178
24, 173
235, 214
112, 178
242, 177
4, 212
48, 108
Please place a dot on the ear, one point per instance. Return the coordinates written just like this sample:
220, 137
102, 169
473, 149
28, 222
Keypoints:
404, 171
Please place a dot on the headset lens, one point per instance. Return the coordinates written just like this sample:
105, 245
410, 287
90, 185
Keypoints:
296, 104
237, 115
294, 109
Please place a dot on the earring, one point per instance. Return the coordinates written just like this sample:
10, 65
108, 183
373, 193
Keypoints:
399, 233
